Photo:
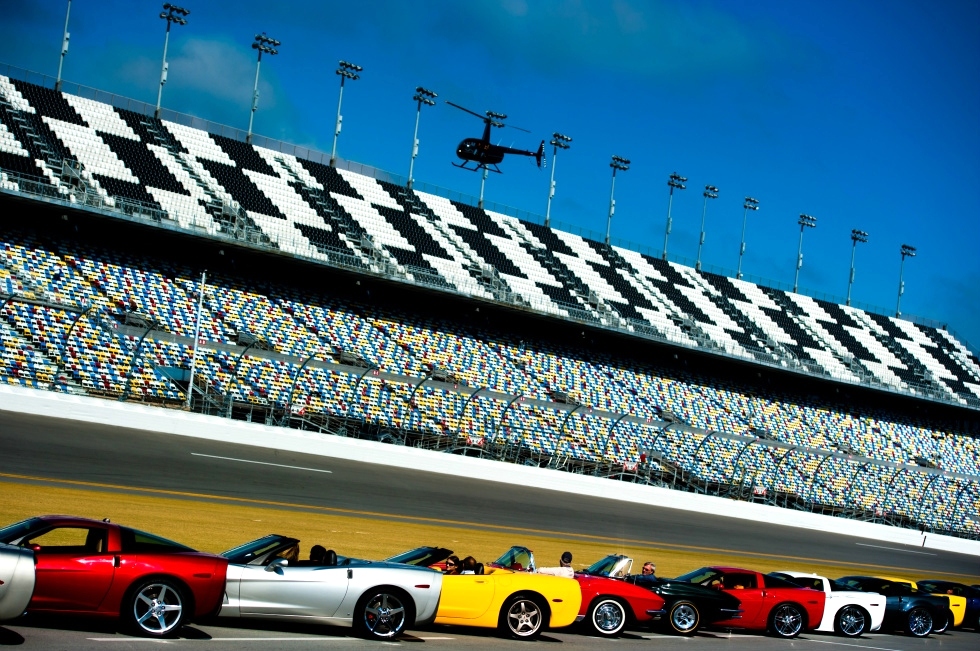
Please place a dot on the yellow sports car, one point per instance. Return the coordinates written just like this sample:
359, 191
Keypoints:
957, 605
520, 604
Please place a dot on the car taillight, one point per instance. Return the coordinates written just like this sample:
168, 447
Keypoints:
424, 586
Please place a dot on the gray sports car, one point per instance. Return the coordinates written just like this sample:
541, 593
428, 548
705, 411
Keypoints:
16, 580
267, 579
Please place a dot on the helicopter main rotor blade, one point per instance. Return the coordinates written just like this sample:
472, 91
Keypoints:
463, 108
518, 128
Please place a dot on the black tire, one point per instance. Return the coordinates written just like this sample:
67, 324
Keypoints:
851, 621
918, 622
941, 627
786, 621
606, 617
522, 617
683, 618
156, 607
382, 613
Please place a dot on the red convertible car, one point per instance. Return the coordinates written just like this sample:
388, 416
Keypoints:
768, 603
608, 604
93, 567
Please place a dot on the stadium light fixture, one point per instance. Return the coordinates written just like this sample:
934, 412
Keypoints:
171, 14
856, 236
422, 96
906, 252
261, 44
750, 204
805, 221
677, 181
346, 70
558, 141
64, 48
617, 164
710, 192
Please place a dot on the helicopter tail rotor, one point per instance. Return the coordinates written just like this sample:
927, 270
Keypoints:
539, 156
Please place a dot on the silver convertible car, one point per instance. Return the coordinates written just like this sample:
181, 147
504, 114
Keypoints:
16, 580
267, 579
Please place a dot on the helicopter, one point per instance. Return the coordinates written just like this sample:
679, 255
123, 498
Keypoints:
485, 154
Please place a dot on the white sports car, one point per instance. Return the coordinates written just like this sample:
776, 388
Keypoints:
846, 612
16, 580
266, 579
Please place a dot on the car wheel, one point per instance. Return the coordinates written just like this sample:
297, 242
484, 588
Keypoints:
522, 617
850, 621
786, 621
918, 622
940, 627
606, 617
155, 607
684, 618
381, 614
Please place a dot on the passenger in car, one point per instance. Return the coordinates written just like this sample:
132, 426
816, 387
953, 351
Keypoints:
453, 565
565, 569
317, 554
468, 565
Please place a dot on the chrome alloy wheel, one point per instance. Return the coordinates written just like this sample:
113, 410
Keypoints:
524, 618
608, 617
384, 616
851, 621
919, 622
683, 617
157, 608
787, 621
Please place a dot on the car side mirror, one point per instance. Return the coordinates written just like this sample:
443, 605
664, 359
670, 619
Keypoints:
35, 547
276, 564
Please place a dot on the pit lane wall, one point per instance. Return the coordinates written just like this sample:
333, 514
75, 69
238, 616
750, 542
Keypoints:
178, 423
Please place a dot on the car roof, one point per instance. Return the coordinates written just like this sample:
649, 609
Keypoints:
722, 568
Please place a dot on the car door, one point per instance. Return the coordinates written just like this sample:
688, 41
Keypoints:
467, 596
73, 569
278, 590
745, 587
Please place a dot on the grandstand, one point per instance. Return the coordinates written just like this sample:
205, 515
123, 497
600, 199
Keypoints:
338, 300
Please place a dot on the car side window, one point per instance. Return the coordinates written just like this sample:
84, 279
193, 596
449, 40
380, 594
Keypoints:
740, 581
68, 540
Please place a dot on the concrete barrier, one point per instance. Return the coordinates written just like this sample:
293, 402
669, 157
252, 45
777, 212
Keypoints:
179, 423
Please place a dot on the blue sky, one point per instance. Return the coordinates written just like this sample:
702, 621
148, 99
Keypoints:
863, 114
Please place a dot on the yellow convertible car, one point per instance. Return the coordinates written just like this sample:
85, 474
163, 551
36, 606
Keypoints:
957, 605
519, 604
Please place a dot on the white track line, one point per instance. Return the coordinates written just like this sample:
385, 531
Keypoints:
856, 646
261, 463
894, 549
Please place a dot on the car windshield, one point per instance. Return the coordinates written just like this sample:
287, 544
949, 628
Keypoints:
702, 575
604, 566
134, 540
242, 554
421, 556
516, 558
14, 532
837, 586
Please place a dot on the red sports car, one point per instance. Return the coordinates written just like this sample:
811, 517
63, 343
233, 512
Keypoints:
608, 604
84, 566
768, 603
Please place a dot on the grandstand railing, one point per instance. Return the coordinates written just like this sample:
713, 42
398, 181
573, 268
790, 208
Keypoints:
306, 153
659, 464
41, 188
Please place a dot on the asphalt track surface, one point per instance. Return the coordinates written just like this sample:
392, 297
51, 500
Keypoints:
59, 449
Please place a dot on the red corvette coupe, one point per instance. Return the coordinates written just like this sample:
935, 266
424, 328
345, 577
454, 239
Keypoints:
84, 566
608, 604
768, 603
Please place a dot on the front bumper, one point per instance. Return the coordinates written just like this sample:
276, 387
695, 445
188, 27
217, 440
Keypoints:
655, 615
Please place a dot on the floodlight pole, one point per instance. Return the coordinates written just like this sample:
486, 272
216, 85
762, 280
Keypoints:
906, 252
675, 180
856, 236
617, 163
64, 48
346, 71
168, 15
750, 204
710, 192
197, 336
805, 221
262, 43
483, 183
558, 141
422, 96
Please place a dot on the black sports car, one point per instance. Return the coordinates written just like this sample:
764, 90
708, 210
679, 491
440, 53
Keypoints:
913, 611
689, 606
972, 594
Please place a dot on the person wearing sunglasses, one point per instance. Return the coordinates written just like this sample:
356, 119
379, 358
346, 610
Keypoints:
452, 565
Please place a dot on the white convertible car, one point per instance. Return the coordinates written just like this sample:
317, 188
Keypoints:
846, 612
266, 579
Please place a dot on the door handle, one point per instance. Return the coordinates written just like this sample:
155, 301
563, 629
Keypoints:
115, 561
350, 574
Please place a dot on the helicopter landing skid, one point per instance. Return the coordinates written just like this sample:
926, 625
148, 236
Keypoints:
479, 166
